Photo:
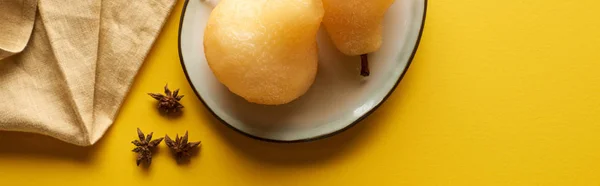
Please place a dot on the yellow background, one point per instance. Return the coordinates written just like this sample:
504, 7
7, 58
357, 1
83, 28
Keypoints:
500, 93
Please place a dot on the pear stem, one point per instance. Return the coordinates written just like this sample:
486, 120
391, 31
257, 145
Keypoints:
364, 65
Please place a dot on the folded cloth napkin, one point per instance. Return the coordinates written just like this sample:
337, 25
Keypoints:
66, 66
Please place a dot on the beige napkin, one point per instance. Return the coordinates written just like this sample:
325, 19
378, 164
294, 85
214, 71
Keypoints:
66, 66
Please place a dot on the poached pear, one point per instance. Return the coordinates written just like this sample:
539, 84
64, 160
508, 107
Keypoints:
262, 50
355, 26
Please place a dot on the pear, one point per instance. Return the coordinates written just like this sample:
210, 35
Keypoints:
262, 50
355, 26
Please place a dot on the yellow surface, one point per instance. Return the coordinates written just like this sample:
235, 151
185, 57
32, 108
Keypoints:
500, 93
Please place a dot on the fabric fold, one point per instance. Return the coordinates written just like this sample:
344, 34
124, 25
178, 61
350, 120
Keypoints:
73, 27
120, 56
17, 18
33, 95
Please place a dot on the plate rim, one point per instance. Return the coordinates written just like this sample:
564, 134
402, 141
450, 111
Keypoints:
315, 138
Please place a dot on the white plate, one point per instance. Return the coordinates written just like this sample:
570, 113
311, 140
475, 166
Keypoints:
338, 99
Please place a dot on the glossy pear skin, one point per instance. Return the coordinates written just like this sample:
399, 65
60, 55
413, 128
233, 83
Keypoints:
355, 26
265, 51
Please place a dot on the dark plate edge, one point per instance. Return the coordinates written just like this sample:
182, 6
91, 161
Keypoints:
306, 139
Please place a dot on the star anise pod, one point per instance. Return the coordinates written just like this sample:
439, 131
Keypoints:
168, 102
181, 147
145, 146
